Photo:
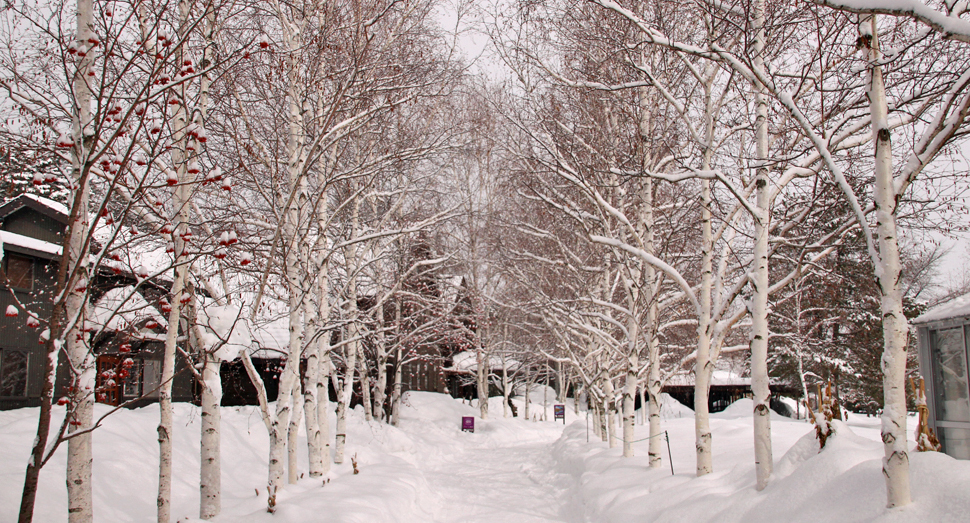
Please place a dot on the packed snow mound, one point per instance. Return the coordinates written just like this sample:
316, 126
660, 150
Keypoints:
739, 409
670, 408
842, 483
743, 408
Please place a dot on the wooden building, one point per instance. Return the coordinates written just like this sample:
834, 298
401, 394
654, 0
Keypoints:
944, 353
128, 359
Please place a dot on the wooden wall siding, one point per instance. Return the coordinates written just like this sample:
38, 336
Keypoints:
14, 332
28, 222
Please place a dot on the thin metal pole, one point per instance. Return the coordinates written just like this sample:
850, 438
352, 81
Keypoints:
670, 456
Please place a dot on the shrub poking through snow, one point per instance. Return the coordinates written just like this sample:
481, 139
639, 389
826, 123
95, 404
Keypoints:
828, 409
926, 439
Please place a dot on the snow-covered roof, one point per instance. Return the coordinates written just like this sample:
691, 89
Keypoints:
39, 203
467, 361
718, 378
123, 307
224, 323
26, 242
57, 207
955, 308
273, 338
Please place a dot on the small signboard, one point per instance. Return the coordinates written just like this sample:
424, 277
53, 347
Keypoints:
559, 412
468, 424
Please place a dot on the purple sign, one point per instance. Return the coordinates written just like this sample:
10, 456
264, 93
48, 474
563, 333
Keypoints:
559, 412
468, 423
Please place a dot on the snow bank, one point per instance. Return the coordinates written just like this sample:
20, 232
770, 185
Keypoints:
509, 469
842, 483
670, 408
389, 487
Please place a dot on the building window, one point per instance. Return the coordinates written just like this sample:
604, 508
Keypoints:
18, 271
132, 383
950, 375
13, 373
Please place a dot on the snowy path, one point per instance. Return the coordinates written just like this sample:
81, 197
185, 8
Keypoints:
502, 484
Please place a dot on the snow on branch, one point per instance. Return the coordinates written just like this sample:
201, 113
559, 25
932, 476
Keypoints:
949, 24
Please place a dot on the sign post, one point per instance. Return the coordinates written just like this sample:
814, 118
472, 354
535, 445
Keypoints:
559, 412
467, 424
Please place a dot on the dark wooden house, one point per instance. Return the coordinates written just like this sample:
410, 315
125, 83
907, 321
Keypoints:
31, 232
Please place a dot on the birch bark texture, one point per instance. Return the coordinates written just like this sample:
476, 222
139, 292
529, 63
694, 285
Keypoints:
759, 278
888, 271
79, 447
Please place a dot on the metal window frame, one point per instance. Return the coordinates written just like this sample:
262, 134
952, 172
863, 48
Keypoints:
927, 371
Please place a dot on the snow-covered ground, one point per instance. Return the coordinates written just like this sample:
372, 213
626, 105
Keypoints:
508, 470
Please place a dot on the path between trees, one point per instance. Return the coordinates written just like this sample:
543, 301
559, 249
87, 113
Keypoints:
502, 484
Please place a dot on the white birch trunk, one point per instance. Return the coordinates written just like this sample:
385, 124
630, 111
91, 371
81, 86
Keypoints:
380, 388
311, 391
482, 382
561, 388
652, 386
346, 393
267, 415
528, 387
703, 366
629, 404
759, 301
608, 405
293, 218
505, 385
888, 269
545, 396
180, 201
365, 388
396, 393
323, 409
210, 464
398, 369
79, 455
210, 474
317, 387
292, 435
